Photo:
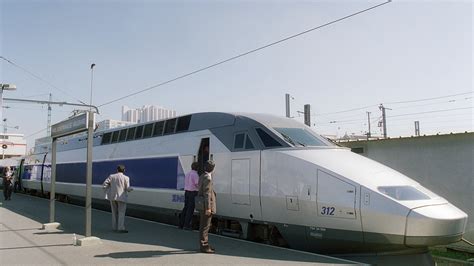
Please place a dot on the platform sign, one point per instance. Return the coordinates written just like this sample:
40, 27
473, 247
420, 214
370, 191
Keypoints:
71, 126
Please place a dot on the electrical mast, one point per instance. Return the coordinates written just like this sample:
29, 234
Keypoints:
49, 116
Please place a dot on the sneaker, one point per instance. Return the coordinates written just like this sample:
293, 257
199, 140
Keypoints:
122, 231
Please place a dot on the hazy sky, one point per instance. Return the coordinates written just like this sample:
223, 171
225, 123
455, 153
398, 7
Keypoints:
402, 51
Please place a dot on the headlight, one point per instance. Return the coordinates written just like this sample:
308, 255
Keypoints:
403, 193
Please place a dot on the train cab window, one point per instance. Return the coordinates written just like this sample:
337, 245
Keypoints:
170, 126
239, 141
158, 131
131, 133
248, 143
115, 136
123, 135
138, 134
106, 138
183, 123
301, 137
267, 140
148, 131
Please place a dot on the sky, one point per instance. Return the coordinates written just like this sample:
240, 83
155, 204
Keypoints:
414, 57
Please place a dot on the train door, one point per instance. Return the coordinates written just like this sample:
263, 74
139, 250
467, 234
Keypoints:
336, 198
240, 184
245, 179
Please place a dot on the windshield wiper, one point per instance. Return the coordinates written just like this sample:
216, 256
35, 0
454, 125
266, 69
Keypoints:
301, 144
288, 139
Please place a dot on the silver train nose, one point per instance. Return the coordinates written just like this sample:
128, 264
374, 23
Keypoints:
435, 225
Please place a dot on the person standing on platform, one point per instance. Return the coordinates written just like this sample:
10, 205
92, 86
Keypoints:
206, 190
191, 181
7, 183
117, 187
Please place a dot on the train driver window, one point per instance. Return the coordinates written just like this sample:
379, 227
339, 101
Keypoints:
267, 140
239, 141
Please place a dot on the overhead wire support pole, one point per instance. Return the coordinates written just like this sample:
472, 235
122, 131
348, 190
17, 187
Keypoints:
368, 123
90, 137
51, 102
384, 120
48, 133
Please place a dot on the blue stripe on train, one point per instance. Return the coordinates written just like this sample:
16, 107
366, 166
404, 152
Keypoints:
148, 173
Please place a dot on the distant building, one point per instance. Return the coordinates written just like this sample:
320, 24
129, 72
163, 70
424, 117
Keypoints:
109, 123
146, 113
12, 145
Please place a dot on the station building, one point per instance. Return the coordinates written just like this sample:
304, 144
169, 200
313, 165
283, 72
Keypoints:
12, 145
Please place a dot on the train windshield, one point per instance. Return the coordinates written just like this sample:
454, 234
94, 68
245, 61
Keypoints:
403, 193
301, 137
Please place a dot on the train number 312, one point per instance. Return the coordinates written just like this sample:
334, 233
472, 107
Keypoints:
328, 210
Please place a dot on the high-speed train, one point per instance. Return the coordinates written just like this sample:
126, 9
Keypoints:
276, 180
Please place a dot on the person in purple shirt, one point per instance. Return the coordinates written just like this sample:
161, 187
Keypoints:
191, 181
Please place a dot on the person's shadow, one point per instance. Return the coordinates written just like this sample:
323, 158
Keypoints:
144, 254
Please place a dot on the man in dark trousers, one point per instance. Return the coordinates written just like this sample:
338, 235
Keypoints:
7, 183
206, 190
191, 181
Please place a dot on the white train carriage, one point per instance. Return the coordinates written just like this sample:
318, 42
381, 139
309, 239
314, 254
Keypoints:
274, 176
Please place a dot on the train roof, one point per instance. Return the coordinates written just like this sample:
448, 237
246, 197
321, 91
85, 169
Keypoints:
261, 131
209, 120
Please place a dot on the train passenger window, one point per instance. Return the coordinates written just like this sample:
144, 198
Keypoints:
138, 134
123, 135
115, 136
183, 123
248, 143
131, 133
148, 131
170, 126
106, 138
267, 140
158, 131
239, 141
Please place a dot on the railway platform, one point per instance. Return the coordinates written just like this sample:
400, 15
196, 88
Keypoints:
22, 241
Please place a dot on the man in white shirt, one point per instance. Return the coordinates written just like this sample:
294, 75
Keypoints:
117, 186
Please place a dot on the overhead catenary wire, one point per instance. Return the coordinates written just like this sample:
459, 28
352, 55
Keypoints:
244, 54
428, 99
409, 101
40, 78
408, 114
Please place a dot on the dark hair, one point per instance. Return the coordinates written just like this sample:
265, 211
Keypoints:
121, 168
209, 166
195, 166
